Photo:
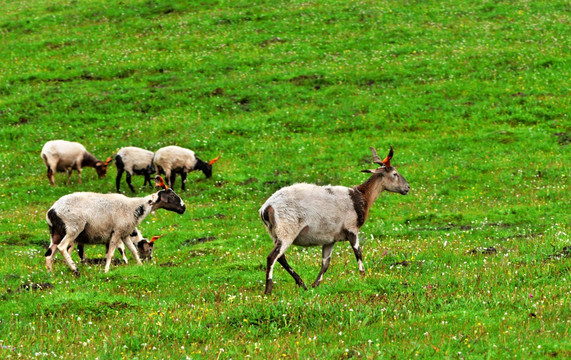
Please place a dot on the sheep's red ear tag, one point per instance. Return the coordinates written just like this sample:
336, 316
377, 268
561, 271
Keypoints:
387, 161
154, 238
214, 160
159, 182
108, 160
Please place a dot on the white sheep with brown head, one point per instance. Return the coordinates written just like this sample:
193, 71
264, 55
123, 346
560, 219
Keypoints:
310, 215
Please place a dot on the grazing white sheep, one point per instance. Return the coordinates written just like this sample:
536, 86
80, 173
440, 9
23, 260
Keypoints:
172, 160
134, 161
66, 156
311, 215
102, 219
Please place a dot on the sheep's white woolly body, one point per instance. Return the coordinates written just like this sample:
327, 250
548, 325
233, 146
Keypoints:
175, 159
90, 212
172, 160
134, 161
66, 156
316, 211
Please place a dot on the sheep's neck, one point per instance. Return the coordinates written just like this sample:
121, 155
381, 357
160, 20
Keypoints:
371, 189
88, 160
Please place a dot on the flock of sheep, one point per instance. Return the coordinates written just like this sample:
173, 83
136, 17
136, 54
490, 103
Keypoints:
301, 214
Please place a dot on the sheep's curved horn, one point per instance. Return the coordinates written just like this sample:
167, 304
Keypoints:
154, 238
160, 182
387, 161
108, 160
376, 158
214, 160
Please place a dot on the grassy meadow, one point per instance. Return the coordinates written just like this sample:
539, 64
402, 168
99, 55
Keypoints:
475, 97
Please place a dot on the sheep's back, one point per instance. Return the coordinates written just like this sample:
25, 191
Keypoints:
66, 152
135, 158
323, 209
175, 158
98, 214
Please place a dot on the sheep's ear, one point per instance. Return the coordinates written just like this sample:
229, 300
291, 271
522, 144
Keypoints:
374, 171
154, 238
387, 161
159, 182
108, 160
214, 160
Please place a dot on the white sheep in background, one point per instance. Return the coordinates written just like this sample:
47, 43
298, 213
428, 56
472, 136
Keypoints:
102, 219
66, 156
134, 161
172, 160
311, 215
144, 246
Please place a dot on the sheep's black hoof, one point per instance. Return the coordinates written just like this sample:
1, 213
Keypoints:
269, 285
76, 273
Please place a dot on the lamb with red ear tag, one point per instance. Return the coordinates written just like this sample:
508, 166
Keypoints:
146, 247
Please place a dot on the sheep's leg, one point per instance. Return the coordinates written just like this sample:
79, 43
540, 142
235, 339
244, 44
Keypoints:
81, 251
129, 182
70, 247
115, 240
282, 260
183, 179
147, 180
68, 172
121, 249
64, 246
51, 176
132, 249
79, 175
172, 179
118, 179
277, 252
52, 168
50, 254
354, 241
168, 178
326, 260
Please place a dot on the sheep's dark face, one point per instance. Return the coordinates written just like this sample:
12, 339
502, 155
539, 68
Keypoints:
145, 249
101, 169
169, 200
207, 171
205, 167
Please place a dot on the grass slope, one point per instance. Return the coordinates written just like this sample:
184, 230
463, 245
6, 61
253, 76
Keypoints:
474, 96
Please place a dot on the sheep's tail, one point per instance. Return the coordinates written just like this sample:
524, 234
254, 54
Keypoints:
268, 217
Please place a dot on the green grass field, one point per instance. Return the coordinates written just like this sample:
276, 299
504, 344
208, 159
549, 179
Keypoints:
474, 96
